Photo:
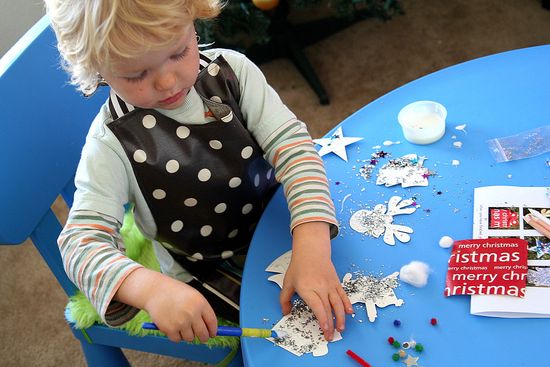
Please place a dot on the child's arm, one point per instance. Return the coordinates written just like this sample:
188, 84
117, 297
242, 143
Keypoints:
288, 147
93, 256
92, 253
311, 274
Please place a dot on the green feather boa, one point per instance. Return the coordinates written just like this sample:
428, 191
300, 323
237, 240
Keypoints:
82, 314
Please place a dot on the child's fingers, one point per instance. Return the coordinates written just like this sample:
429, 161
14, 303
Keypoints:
321, 310
285, 297
345, 299
339, 311
187, 334
211, 321
329, 333
200, 330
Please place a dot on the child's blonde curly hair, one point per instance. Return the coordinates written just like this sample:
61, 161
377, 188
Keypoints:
91, 33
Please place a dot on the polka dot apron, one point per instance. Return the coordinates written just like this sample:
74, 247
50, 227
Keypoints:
206, 185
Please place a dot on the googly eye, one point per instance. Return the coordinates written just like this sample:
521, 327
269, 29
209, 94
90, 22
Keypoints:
406, 345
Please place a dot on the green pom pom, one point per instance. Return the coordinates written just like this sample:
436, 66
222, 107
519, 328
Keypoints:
396, 344
395, 357
419, 347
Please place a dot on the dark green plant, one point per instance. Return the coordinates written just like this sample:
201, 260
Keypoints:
241, 24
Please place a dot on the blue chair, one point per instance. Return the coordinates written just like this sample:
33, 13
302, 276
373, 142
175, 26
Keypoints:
42, 130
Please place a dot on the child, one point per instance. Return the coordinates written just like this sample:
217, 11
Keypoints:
194, 140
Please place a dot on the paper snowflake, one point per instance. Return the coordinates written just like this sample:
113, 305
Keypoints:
379, 221
373, 292
407, 171
302, 332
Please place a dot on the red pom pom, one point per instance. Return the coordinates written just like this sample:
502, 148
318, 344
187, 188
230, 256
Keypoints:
433, 321
391, 340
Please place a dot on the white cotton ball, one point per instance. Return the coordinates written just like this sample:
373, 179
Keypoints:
415, 273
446, 241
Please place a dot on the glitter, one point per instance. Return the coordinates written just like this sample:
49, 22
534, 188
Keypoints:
343, 201
461, 128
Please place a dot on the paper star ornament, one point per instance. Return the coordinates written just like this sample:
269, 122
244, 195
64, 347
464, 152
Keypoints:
411, 361
335, 144
540, 248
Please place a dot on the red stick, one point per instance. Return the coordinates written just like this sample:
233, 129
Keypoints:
358, 359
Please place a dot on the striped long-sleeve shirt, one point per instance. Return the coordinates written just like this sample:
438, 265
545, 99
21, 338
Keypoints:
90, 244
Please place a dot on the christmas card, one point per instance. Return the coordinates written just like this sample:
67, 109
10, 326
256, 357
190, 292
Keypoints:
488, 266
499, 214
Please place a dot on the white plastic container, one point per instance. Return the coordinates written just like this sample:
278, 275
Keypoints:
423, 122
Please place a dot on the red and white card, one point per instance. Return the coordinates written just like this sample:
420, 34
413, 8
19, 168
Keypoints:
496, 266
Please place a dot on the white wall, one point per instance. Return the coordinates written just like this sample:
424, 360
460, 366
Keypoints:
16, 17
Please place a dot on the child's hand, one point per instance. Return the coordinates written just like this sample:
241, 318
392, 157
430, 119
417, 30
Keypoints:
178, 310
311, 274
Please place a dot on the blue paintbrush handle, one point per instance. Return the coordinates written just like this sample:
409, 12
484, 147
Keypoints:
224, 330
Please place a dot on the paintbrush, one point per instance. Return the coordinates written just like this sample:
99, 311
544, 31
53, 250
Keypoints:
234, 331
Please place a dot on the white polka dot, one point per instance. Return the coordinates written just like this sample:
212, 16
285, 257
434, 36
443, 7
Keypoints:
213, 69
234, 182
220, 208
246, 209
149, 121
140, 156
257, 180
159, 194
246, 152
204, 175
182, 132
172, 166
268, 174
216, 99
196, 256
233, 233
176, 226
206, 230
228, 117
215, 144
190, 202
227, 254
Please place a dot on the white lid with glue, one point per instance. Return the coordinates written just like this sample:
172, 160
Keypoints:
423, 122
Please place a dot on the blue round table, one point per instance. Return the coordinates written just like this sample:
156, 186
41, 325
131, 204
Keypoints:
494, 96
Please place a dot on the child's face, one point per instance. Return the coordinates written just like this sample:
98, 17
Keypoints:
159, 78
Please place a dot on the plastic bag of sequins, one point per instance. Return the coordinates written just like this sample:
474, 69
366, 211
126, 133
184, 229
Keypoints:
526, 144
